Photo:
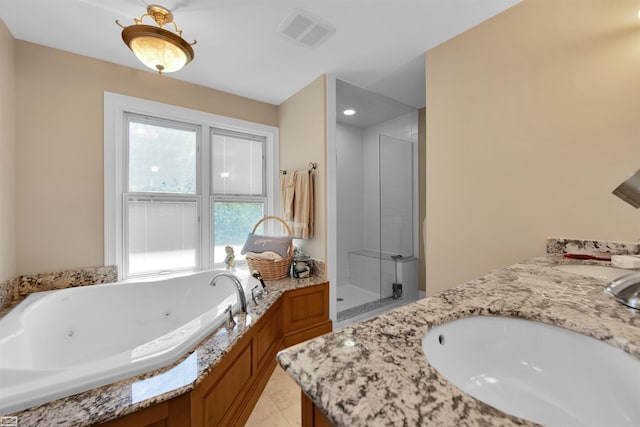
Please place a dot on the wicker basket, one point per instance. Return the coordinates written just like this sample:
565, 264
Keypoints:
272, 269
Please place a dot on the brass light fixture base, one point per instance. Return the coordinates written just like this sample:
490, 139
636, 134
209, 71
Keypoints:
160, 14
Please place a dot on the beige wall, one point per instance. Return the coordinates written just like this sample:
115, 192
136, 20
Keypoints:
7, 155
532, 119
59, 147
422, 192
302, 121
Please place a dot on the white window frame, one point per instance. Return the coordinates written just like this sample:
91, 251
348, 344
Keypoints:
116, 106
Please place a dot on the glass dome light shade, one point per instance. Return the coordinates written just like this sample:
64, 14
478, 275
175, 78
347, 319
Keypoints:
157, 48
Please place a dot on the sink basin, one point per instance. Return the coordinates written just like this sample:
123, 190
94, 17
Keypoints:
598, 271
536, 371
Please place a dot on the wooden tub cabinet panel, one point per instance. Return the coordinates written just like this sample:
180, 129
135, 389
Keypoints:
217, 398
268, 336
171, 413
305, 314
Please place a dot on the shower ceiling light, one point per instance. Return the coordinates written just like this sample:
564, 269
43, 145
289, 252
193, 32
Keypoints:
157, 48
349, 112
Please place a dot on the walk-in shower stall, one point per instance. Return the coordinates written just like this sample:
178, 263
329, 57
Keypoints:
376, 202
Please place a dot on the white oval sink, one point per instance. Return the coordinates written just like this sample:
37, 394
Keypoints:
598, 271
538, 372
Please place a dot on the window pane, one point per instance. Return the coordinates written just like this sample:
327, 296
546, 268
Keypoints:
237, 166
232, 222
161, 158
163, 235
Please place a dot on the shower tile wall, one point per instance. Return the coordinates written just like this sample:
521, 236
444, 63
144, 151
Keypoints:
350, 197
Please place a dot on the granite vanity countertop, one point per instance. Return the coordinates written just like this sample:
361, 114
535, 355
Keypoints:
375, 373
123, 397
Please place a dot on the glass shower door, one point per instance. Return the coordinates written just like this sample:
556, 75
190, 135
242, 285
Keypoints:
395, 208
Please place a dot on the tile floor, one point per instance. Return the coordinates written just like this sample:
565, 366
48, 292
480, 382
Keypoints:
279, 405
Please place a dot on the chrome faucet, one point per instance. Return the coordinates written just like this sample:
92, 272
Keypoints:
230, 322
238, 285
626, 289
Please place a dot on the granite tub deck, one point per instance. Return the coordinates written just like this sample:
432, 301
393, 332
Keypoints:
375, 374
124, 397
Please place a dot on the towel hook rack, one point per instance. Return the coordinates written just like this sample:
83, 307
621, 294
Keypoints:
312, 166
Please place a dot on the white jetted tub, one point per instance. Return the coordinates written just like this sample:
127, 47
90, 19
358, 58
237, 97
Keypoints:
58, 343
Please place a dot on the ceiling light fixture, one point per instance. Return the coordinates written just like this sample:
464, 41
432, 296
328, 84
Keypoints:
157, 48
349, 112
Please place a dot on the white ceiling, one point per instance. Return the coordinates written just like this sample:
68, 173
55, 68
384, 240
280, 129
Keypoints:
378, 45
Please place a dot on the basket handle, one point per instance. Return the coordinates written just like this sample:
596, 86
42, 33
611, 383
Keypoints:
286, 226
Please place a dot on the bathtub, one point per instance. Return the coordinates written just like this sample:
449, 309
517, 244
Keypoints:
58, 343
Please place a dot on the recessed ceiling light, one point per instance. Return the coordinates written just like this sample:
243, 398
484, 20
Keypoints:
349, 112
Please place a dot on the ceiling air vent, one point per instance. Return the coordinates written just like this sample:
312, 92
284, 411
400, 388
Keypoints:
305, 29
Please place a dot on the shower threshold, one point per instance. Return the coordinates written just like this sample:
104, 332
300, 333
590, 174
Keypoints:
363, 308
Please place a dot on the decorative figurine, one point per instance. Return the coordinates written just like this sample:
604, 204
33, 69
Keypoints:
230, 260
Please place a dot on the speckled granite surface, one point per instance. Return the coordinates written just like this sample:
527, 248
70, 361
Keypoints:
121, 398
591, 247
13, 290
8, 292
375, 373
66, 279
